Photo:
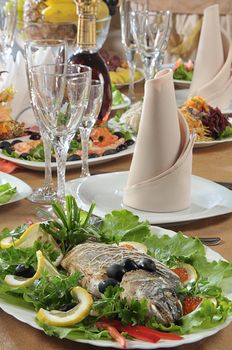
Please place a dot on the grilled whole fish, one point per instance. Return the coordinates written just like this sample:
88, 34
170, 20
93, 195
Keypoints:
158, 288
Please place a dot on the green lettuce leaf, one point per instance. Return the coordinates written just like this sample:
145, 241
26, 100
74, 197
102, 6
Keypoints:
122, 225
165, 248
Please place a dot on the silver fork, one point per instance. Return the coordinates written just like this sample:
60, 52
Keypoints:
210, 240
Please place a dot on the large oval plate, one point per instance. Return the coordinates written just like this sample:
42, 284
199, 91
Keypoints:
28, 317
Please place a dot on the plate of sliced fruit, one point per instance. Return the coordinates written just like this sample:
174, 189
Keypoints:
119, 70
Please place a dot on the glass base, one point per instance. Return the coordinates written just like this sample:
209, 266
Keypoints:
42, 195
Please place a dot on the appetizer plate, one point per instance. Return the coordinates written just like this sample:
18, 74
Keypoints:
28, 316
40, 166
122, 85
181, 97
23, 190
106, 190
125, 104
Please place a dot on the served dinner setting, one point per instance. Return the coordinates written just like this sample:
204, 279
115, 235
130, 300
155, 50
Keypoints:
115, 174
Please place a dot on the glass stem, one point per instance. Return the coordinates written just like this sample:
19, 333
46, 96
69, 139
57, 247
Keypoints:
48, 184
61, 146
132, 67
85, 133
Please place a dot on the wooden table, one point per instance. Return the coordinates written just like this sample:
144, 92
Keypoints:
214, 163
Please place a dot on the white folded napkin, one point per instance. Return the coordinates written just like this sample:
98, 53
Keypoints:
17, 78
212, 78
160, 174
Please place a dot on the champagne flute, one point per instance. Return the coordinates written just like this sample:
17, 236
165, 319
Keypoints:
150, 31
88, 121
36, 52
8, 19
59, 93
128, 41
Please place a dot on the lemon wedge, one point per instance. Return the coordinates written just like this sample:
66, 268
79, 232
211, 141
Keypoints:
42, 265
70, 317
140, 247
27, 239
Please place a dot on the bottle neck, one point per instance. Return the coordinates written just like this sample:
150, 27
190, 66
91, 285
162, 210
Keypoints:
86, 33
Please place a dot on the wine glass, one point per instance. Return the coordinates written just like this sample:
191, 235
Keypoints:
8, 19
128, 41
47, 51
88, 121
59, 93
150, 31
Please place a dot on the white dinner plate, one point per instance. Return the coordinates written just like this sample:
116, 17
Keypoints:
40, 166
106, 190
125, 104
23, 190
28, 316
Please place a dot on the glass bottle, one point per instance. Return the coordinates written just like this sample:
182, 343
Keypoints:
87, 52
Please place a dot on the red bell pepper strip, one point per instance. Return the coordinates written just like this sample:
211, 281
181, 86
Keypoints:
140, 335
120, 339
161, 335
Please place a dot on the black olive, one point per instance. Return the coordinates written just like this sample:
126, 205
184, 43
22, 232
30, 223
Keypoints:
74, 157
129, 142
147, 264
116, 271
130, 264
23, 271
106, 283
93, 155
35, 136
9, 149
24, 155
15, 141
119, 134
4, 144
67, 307
53, 159
108, 152
121, 147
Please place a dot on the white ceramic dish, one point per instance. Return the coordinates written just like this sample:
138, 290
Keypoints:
106, 190
40, 166
23, 190
28, 317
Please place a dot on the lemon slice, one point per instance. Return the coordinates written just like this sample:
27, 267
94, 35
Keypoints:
42, 265
70, 317
27, 239
20, 282
140, 247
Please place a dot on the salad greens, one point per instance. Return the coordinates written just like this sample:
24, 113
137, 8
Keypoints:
182, 73
73, 227
6, 192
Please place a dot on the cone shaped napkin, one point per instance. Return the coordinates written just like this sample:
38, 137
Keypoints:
160, 174
212, 77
